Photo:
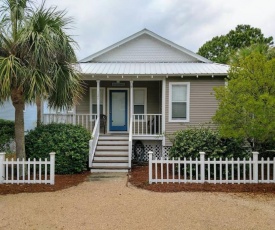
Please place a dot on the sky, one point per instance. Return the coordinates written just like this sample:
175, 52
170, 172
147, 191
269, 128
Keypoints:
188, 23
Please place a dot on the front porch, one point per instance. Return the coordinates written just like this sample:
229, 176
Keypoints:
117, 113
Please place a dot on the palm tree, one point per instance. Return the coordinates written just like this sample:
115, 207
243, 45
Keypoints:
36, 60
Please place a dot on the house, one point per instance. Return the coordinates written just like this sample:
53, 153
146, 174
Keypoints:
138, 91
142, 88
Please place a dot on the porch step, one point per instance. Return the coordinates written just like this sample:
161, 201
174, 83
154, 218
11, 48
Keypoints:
111, 147
107, 159
113, 138
111, 154
110, 165
108, 170
112, 142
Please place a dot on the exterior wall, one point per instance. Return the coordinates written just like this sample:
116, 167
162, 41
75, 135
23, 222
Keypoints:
203, 103
153, 95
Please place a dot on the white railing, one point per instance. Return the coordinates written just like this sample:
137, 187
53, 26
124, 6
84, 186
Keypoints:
93, 141
130, 143
147, 124
27, 171
212, 171
85, 120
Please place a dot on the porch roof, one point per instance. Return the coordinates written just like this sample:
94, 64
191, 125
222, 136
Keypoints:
154, 68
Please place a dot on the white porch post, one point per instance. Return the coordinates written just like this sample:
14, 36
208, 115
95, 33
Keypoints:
98, 98
163, 111
131, 99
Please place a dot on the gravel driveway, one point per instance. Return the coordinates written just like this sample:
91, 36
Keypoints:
109, 204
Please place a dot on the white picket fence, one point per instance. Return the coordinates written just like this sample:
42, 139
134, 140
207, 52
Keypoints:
27, 171
211, 171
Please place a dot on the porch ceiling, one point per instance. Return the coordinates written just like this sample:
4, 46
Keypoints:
154, 68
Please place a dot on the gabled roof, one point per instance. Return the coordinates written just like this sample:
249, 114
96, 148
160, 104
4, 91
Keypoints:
177, 50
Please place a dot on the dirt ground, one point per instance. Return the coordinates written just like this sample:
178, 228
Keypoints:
110, 204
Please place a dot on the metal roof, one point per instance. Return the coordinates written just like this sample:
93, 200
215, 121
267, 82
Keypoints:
154, 68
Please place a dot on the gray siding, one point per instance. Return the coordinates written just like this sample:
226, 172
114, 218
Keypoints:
203, 103
153, 95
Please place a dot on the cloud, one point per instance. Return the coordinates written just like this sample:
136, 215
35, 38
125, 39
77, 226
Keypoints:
188, 23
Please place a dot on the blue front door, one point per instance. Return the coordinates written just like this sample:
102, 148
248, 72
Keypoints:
118, 110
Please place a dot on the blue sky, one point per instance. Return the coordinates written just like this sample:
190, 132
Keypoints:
189, 23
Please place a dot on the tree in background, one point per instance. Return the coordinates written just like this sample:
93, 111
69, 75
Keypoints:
36, 57
247, 105
220, 48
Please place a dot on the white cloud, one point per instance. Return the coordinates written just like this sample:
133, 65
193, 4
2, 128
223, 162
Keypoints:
190, 23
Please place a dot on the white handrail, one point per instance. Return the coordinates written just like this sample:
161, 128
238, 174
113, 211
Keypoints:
130, 142
93, 142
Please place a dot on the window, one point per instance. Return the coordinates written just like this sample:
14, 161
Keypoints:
93, 100
179, 102
140, 96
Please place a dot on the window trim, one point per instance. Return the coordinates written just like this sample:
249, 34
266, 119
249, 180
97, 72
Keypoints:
145, 101
171, 84
91, 100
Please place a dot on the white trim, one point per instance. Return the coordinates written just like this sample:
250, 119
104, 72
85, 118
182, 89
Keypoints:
108, 110
145, 100
163, 108
187, 101
91, 100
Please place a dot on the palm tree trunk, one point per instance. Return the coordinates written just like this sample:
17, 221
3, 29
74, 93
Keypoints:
19, 104
38, 109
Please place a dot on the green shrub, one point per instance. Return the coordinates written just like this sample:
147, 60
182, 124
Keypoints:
71, 144
6, 134
189, 142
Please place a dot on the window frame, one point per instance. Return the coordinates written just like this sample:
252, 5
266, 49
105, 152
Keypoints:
145, 102
91, 100
187, 84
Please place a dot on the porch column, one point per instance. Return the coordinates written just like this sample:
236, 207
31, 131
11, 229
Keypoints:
131, 100
98, 98
163, 110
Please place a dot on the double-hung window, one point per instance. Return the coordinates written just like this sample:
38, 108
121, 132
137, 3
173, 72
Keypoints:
179, 101
93, 100
140, 96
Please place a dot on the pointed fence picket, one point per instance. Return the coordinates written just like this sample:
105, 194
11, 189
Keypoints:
27, 171
217, 170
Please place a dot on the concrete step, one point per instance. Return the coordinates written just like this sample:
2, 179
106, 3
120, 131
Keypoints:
96, 165
108, 170
115, 148
113, 138
111, 153
110, 159
112, 142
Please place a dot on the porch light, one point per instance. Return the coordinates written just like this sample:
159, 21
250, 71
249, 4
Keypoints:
212, 75
197, 76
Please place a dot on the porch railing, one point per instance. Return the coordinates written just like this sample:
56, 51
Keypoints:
147, 124
93, 141
85, 120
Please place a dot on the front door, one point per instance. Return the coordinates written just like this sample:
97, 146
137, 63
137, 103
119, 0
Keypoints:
118, 110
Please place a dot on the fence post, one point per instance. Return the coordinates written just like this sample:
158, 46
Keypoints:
202, 162
150, 166
52, 173
2, 168
255, 167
